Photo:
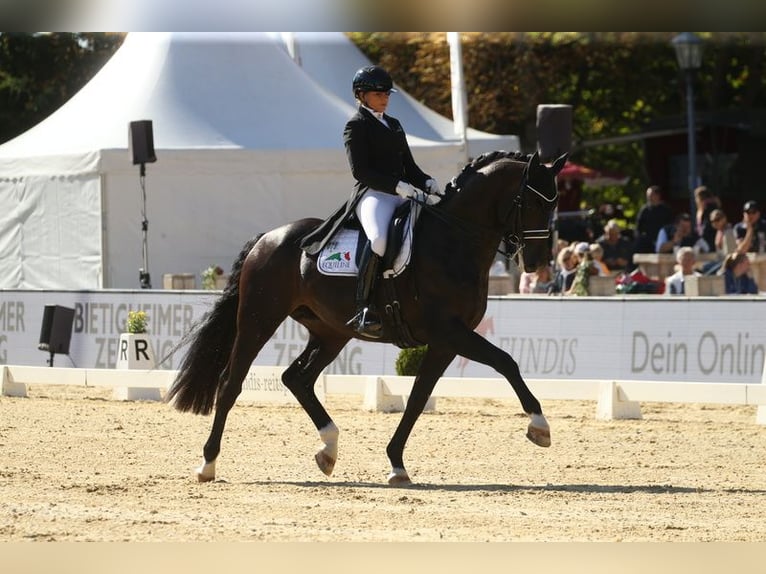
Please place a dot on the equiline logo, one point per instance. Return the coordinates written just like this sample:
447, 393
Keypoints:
337, 260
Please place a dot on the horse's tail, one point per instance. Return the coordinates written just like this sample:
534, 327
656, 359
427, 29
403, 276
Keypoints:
210, 342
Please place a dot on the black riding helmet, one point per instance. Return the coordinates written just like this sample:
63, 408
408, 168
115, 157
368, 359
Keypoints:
372, 79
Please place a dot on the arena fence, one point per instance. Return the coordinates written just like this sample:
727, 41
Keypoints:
615, 399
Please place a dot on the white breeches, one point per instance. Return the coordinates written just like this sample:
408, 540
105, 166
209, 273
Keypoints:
374, 211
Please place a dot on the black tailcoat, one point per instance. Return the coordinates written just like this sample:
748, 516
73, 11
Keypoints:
380, 158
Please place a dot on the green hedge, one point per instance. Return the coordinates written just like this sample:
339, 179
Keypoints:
408, 361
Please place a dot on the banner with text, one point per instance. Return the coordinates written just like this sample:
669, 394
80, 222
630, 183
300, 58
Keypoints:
651, 338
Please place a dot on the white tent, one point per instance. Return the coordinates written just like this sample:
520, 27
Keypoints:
246, 140
329, 56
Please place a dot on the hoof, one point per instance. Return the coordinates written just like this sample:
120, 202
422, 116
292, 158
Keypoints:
541, 437
399, 477
206, 472
325, 463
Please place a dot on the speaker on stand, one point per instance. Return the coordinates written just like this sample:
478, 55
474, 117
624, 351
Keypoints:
141, 144
554, 137
56, 330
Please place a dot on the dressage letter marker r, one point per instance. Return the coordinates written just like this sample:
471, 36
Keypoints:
141, 346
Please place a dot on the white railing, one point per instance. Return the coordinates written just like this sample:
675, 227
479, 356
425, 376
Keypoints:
615, 399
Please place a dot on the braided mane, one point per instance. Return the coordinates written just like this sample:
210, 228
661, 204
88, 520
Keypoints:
457, 182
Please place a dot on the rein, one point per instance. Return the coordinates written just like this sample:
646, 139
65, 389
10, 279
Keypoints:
511, 241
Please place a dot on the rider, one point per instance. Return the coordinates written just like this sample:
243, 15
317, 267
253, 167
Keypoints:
383, 166
385, 172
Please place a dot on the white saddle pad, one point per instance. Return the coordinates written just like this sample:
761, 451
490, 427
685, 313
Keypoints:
339, 255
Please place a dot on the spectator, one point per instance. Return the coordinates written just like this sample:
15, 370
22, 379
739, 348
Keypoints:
565, 273
725, 242
618, 252
737, 278
653, 216
751, 231
597, 252
686, 259
526, 280
585, 269
705, 202
543, 279
680, 234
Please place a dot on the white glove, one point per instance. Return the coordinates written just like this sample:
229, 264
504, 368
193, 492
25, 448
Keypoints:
433, 199
405, 190
432, 187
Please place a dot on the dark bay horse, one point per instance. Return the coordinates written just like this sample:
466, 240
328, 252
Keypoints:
499, 197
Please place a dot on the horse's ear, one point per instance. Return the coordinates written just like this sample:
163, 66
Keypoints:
558, 165
534, 161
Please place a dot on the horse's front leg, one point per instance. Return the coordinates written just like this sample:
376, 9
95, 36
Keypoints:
435, 361
474, 347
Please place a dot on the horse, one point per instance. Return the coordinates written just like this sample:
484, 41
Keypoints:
500, 198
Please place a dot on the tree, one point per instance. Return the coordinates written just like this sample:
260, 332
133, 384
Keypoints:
616, 82
40, 72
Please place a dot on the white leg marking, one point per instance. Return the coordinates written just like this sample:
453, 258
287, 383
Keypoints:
538, 431
399, 477
206, 472
329, 436
328, 455
539, 421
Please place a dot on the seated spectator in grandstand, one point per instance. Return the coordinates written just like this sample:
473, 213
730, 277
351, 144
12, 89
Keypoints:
686, 259
680, 234
653, 216
543, 279
751, 231
737, 277
705, 202
597, 252
566, 266
618, 251
537, 281
585, 269
725, 242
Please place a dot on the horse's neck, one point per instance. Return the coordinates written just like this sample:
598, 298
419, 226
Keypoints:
471, 221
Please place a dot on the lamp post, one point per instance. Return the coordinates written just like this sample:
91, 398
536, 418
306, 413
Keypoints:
688, 47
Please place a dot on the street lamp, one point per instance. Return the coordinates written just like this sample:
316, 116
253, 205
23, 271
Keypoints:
688, 47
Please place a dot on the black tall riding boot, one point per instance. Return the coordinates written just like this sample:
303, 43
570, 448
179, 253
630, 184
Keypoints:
367, 321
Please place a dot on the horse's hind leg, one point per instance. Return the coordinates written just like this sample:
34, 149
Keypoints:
246, 348
300, 377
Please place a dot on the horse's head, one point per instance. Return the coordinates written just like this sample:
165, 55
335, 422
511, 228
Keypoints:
535, 203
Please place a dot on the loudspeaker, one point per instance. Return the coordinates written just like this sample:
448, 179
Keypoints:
141, 142
554, 130
56, 330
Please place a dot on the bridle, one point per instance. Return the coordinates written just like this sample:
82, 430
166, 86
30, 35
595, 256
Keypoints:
512, 240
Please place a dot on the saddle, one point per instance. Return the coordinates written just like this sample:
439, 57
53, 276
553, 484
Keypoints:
340, 256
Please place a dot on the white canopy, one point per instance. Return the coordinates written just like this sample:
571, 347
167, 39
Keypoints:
246, 140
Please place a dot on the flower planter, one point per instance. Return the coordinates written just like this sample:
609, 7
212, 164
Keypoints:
135, 352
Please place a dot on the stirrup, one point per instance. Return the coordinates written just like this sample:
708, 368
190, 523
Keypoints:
367, 323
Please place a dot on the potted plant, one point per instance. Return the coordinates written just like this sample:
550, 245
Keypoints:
135, 352
408, 361
136, 322
214, 278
